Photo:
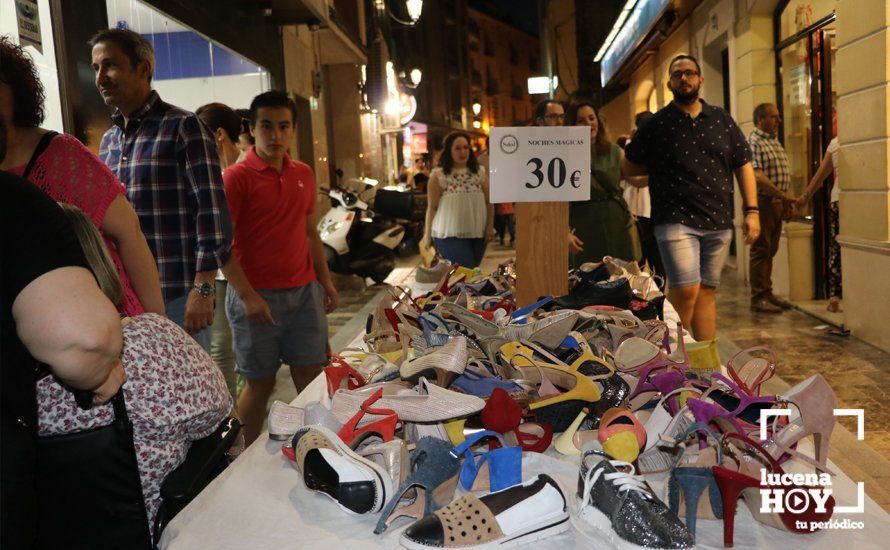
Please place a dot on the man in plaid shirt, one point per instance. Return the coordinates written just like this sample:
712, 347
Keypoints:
771, 171
168, 162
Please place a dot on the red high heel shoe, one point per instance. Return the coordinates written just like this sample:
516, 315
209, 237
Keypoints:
404, 310
759, 366
385, 427
339, 371
747, 483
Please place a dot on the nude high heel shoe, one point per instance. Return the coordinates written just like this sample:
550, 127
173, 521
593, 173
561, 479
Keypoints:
812, 403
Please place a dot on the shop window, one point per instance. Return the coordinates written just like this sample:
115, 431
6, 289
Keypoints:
191, 70
807, 100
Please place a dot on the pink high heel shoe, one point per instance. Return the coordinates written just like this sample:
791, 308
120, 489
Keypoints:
812, 403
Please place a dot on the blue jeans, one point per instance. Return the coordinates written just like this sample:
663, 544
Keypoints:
466, 252
176, 313
692, 256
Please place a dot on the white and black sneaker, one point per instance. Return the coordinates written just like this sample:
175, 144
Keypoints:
517, 515
623, 509
329, 466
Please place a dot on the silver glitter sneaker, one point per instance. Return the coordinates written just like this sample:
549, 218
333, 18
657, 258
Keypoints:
623, 509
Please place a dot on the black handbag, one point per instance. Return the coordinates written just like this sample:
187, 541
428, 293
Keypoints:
205, 460
89, 489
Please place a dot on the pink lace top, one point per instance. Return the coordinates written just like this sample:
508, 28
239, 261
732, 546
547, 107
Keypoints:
175, 394
69, 172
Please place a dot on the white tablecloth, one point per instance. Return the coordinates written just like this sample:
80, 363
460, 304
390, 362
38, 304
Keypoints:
260, 502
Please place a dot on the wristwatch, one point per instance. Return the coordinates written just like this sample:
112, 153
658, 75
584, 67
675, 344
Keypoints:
205, 290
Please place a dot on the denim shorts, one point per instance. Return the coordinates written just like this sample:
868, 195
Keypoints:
299, 337
692, 256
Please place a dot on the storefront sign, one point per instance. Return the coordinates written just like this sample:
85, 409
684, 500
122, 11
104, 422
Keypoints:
540, 164
29, 24
638, 23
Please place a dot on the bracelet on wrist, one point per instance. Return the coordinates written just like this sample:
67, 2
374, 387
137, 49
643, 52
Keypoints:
750, 209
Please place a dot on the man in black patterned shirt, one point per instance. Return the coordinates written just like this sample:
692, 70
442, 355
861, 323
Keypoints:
691, 151
771, 170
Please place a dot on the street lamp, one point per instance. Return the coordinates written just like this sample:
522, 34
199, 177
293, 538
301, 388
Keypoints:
411, 79
416, 75
415, 8
477, 108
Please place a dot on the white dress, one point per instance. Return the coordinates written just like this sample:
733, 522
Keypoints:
462, 210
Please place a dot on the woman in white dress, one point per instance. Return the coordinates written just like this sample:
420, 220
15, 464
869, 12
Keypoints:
459, 217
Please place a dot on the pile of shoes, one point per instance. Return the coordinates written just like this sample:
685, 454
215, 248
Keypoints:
430, 421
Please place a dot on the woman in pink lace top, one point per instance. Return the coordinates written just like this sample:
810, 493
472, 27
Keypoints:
68, 172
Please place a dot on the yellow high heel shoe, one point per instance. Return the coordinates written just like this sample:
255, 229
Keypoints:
585, 360
562, 391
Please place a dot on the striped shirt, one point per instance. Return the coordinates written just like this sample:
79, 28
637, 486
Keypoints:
167, 160
769, 156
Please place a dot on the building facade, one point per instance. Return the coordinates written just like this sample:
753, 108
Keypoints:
224, 51
502, 58
825, 64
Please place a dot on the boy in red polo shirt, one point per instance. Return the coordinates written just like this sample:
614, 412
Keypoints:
272, 204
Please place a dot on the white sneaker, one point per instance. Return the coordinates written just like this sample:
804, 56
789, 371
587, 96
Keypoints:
520, 514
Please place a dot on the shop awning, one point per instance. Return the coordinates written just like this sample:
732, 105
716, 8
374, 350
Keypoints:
632, 34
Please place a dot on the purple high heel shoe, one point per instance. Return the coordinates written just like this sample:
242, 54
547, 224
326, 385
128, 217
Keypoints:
639, 356
738, 413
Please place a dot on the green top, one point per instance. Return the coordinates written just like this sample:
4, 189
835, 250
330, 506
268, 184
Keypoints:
604, 222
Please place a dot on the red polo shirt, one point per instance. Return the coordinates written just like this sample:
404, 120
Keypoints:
270, 212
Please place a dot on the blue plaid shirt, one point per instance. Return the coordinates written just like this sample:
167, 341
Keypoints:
168, 162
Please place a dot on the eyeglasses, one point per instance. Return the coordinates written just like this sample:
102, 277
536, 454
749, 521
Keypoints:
554, 116
677, 75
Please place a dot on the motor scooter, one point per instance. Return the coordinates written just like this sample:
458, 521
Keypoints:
357, 240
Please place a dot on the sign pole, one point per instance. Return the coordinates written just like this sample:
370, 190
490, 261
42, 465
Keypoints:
542, 250
541, 169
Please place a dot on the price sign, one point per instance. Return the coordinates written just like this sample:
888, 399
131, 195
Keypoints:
540, 164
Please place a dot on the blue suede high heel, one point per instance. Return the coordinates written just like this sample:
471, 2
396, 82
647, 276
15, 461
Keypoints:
692, 481
504, 464
433, 478
479, 380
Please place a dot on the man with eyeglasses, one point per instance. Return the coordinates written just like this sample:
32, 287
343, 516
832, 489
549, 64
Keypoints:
549, 112
691, 150
773, 178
